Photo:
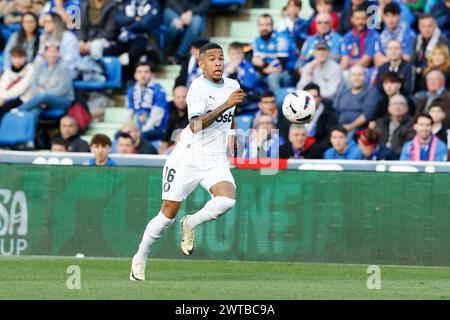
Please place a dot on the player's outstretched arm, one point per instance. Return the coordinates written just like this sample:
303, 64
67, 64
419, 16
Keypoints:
199, 123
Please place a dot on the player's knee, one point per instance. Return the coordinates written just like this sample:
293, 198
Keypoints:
224, 203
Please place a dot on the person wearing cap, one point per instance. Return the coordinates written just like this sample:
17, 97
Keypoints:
323, 71
51, 86
370, 147
190, 70
425, 146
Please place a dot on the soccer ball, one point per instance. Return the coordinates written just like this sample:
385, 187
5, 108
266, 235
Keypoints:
299, 107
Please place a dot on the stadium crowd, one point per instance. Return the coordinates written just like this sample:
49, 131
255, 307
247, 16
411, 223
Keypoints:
378, 70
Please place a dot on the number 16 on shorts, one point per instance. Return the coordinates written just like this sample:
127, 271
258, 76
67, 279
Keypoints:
169, 175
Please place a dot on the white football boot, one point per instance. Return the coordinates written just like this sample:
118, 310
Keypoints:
187, 241
137, 271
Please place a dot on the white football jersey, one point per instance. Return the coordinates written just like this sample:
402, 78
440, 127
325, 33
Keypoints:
203, 97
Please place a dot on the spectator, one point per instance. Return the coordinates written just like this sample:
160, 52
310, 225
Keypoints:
441, 12
66, 9
291, 25
405, 14
178, 120
55, 31
242, 71
439, 129
51, 86
185, 18
396, 126
147, 104
140, 146
395, 63
98, 26
391, 85
58, 144
425, 146
270, 54
68, 131
323, 120
13, 10
323, 71
325, 6
357, 105
15, 83
430, 35
345, 22
138, 20
264, 141
297, 146
190, 70
342, 148
370, 147
27, 37
125, 144
436, 93
395, 29
101, 148
439, 59
324, 33
267, 105
358, 44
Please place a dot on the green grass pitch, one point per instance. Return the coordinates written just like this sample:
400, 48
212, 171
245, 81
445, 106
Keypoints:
46, 277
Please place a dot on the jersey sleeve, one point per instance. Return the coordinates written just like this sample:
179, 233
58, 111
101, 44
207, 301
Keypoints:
196, 102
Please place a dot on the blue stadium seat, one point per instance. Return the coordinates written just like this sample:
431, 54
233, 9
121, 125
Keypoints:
226, 3
156, 144
281, 93
114, 81
244, 122
16, 128
53, 114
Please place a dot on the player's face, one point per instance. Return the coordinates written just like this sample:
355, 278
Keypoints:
297, 137
391, 20
143, 75
212, 64
67, 128
394, 50
423, 128
339, 141
437, 114
426, 27
397, 107
391, 88
124, 146
359, 20
265, 27
268, 105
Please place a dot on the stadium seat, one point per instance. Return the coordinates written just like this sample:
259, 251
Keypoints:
114, 73
227, 3
281, 93
115, 115
53, 114
244, 122
156, 144
17, 128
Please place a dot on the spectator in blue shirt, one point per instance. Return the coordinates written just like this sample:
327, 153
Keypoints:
101, 148
66, 9
356, 105
405, 14
324, 33
395, 29
358, 44
242, 70
425, 146
342, 148
441, 12
264, 141
147, 104
345, 24
370, 147
271, 53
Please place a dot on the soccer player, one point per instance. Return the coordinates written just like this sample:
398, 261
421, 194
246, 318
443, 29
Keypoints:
198, 158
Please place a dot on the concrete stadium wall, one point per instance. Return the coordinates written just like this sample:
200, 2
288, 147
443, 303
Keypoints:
304, 216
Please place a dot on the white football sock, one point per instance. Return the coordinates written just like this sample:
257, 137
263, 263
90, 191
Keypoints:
211, 211
153, 232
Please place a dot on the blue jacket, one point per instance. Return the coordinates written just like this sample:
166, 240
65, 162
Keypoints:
440, 155
109, 163
150, 15
352, 153
381, 153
